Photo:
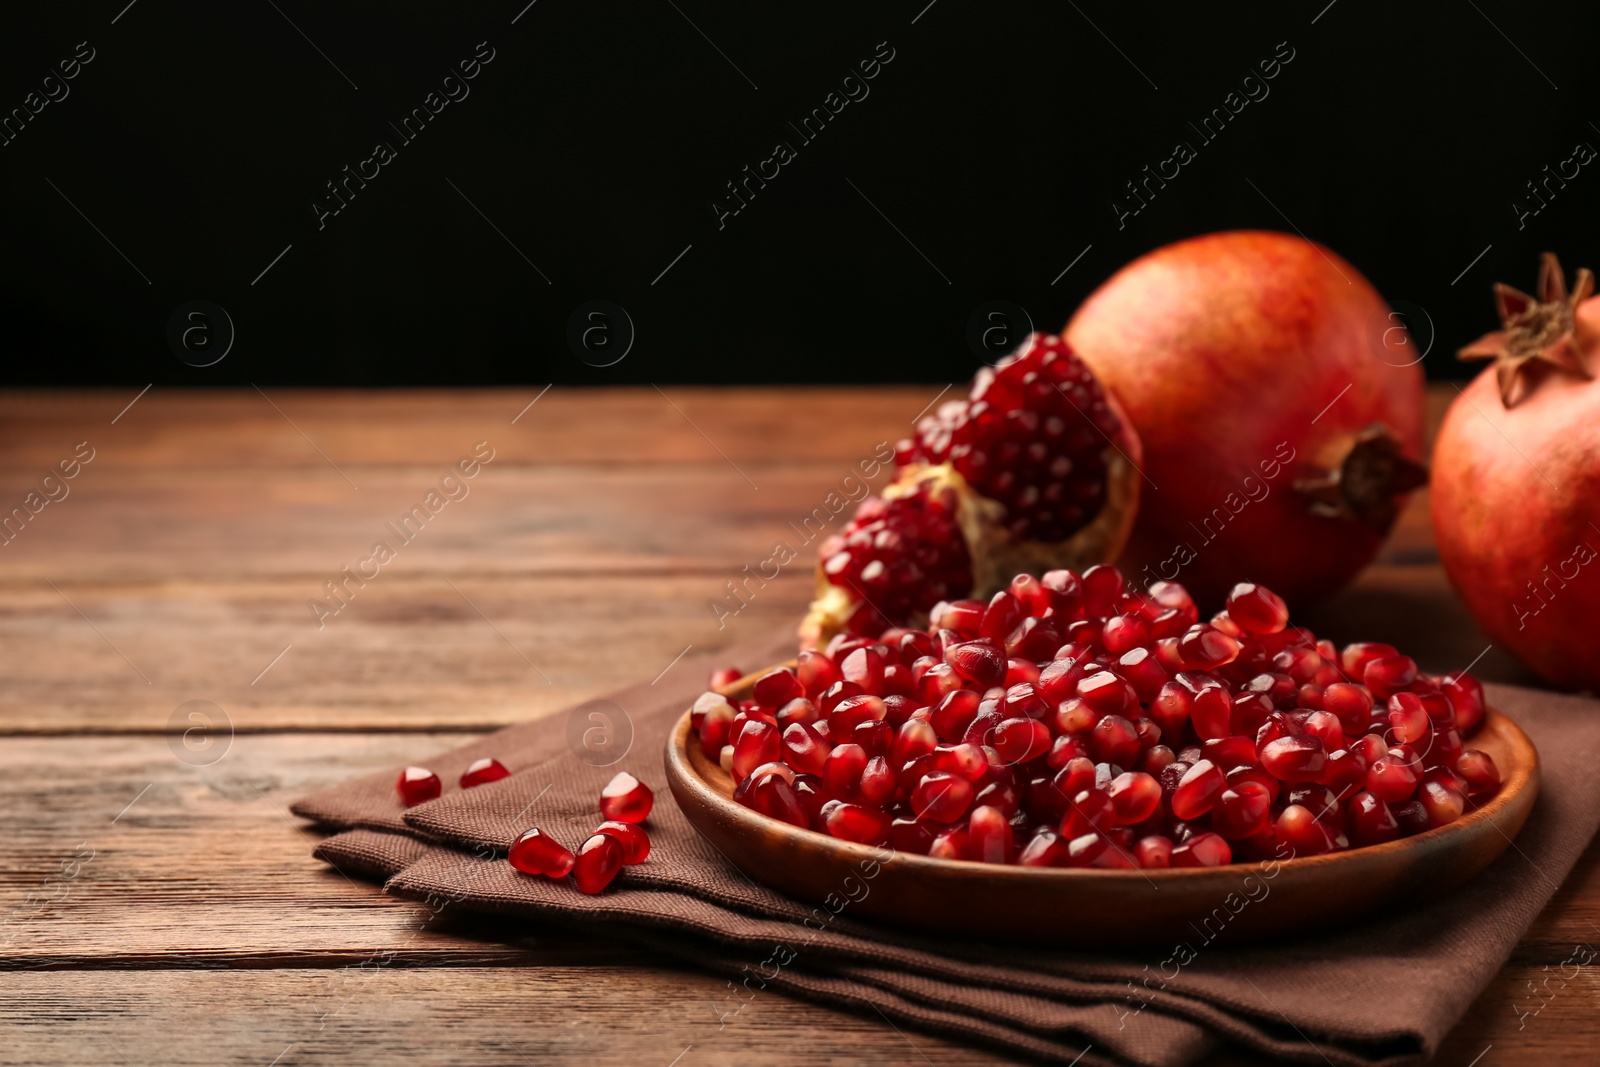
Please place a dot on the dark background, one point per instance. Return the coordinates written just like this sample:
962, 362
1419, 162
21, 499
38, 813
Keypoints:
599, 136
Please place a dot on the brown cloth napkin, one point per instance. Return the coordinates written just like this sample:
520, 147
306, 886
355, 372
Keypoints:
1384, 992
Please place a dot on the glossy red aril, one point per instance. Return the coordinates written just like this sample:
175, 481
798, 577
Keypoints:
482, 772
1021, 740
599, 859
941, 796
856, 822
1479, 772
776, 688
626, 799
417, 784
1197, 791
632, 837
1202, 850
721, 679
1135, 796
1204, 647
1255, 609
1294, 759
536, 852
989, 836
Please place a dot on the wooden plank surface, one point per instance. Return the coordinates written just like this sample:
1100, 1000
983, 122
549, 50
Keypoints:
582, 559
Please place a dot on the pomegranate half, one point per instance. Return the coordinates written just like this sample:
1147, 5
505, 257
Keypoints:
1516, 481
1036, 469
1278, 403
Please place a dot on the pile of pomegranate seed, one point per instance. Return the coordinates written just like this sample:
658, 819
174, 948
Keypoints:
1075, 722
618, 842
1032, 435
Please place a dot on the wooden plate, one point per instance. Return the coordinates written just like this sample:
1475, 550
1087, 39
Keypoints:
1072, 907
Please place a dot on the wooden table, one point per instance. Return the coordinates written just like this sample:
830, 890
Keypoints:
163, 906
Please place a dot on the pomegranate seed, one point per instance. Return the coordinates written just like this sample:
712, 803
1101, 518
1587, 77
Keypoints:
863, 667
1479, 771
535, 852
1003, 615
1202, 850
798, 710
1465, 694
1211, 706
877, 782
1114, 740
1084, 849
1197, 790
774, 795
1389, 675
816, 673
1229, 752
1443, 803
912, 836
631, 836
981, 662
803, 749
626, 799
941, 796
1412, 817
1123, 633
1294, 759
1155, 759
853, 711
915, 738
1355, 657
757, 743
1242, 810
417, 784
1089, 811
1021, 740
722, 679
1135, 796
599, 860
482, 772
1299, 828
1369, 820
1408, 720
1046, 849
1325, 728
1064, 750
776, 688
950, 845
875, 737
989, 836
855, 822
1205, 647
980, 731
1144, 672
1153, 851
841, 774
1391, 778
954, 713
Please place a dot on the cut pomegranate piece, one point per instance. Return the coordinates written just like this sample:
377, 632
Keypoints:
632, 837
482, 772
626, 799
536, 852
1035, 468
417, 784
598, 861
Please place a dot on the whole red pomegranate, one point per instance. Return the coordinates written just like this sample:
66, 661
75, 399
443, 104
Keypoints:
1516, 481
1277, 402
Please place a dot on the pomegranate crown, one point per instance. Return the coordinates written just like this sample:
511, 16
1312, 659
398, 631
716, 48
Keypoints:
1545, 329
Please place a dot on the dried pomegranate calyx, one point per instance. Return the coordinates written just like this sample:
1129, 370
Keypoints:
1547, 329
1367, 482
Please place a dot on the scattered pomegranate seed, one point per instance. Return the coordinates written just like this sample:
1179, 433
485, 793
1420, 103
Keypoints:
631, 836
535, 852
417, 784
482, 772
1072, 721
626, 799
599, 859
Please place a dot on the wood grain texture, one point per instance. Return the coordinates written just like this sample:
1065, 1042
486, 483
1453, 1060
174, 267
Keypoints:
588, 549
